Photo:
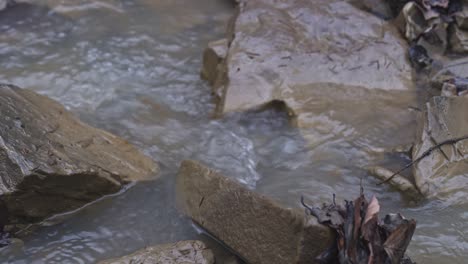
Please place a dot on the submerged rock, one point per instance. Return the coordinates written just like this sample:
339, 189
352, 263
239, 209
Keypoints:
50, 162
256, 228
183, 252
321, 58
442, 174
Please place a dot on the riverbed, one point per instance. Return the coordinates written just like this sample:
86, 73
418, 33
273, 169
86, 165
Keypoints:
132, 68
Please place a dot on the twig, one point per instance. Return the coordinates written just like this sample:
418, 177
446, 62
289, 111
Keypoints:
305, 205
425, 154
457, 64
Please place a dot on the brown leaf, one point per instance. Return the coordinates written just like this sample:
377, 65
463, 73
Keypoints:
398, 241
372, 210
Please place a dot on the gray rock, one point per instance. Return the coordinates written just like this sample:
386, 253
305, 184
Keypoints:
317, 57
443, 173
50, 162
257, 228
183, 252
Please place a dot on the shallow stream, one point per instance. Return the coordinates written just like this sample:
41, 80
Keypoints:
132, 67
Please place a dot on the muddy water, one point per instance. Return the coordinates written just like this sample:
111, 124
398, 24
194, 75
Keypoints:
131, 67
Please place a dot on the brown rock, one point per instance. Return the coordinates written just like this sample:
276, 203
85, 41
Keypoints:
442, 174
257, 228
331, 64
183, 252
212, 59
50, 162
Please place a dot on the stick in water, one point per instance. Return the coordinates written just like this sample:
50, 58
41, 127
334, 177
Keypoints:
425, 154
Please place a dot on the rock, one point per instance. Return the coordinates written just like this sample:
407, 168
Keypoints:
50, 162
455, 68
253, 226
461, 18
415, 21
379, 8
458, 39
183, 252
212, 59
396, 5
321, 58
442, 174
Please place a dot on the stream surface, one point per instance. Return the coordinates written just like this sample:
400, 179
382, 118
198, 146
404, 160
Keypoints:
132, 68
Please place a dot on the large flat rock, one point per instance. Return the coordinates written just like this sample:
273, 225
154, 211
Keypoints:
183, 252
443, 174
50, 162
257, 228
328, 61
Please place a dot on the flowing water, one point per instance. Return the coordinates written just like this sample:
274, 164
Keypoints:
132, 67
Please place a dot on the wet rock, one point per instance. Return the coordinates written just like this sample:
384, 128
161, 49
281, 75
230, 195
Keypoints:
456, 68
442, 174
212, 58
415, 21
318, 57
258, 229
50, 162
461, 17
379, 8
183, 252
458, 39
436, 24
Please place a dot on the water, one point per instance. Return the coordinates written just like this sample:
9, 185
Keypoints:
132, 67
